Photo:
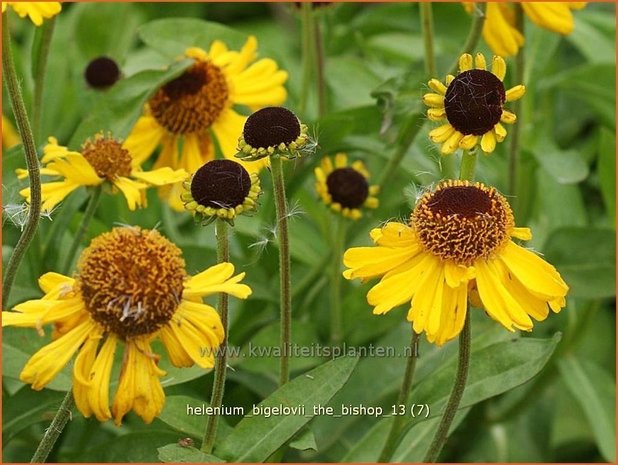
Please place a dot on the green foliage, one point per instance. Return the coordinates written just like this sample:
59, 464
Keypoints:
544, 397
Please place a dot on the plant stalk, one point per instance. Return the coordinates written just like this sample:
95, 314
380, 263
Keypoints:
338, 244
63, 415
218, 387
93, 202
32, 162
308, 44
468, 165
474, 35
393, 437
456, 394
47, 30
516, 107
427, 31
285, 283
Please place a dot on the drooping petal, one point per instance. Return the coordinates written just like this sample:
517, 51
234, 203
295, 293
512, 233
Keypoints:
555, 16
45, 364
133, 191
144, 138
99, 376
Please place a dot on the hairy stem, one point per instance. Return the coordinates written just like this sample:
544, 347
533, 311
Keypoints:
516, 107
32, 162
338, 244
63, 415
427, 30
47, 30
393, 437
285, 284
474, 35
93, 202
218, 387
456, 394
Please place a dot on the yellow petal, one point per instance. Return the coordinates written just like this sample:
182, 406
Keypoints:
508, 117
51, 280
434, 100
437, 86
215, 279
178, 355
45, 364
399, 285
555, 16
533, 272
499, 30
479, 61
498, 67
525, 234
395, 235
143, 139
465, 62
499, 132
100, 373
452, 143
133, 191
37, 11
468, 142
368, 262
515, 93
341, 160
81, 372
441, 133
488, 142
161, 177
436, 114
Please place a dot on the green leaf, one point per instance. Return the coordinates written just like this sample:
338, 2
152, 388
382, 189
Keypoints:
258, 353
110, 29
181, 454
180, 413
591, 83
255, 438
565, 166
28, 407
595, 390
304, 440
124, 103
132, 447
586, 259
607, 170
174, 35
494, 369
596, 45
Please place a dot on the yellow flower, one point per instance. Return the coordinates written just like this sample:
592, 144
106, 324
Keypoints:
458, 246
345, 188
10, 137
472, 103
104, 159
37, 11
200, 103
501, 33
130, 288
221, 189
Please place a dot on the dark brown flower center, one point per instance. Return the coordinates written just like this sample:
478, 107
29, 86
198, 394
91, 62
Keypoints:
270, 127
102, 72
221, 184
474, 101
347, 187
107, 156
131, 280
462, 222
193, 101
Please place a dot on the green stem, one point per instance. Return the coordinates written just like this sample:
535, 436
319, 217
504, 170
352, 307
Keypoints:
468, 165
456, 394
95, 196
218, 387
407, 136
319, 67
285, 284
308, 44
393, 438
32, 162
516, 107
474, 35
47, 30
63, 415
336, 317
427, 30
